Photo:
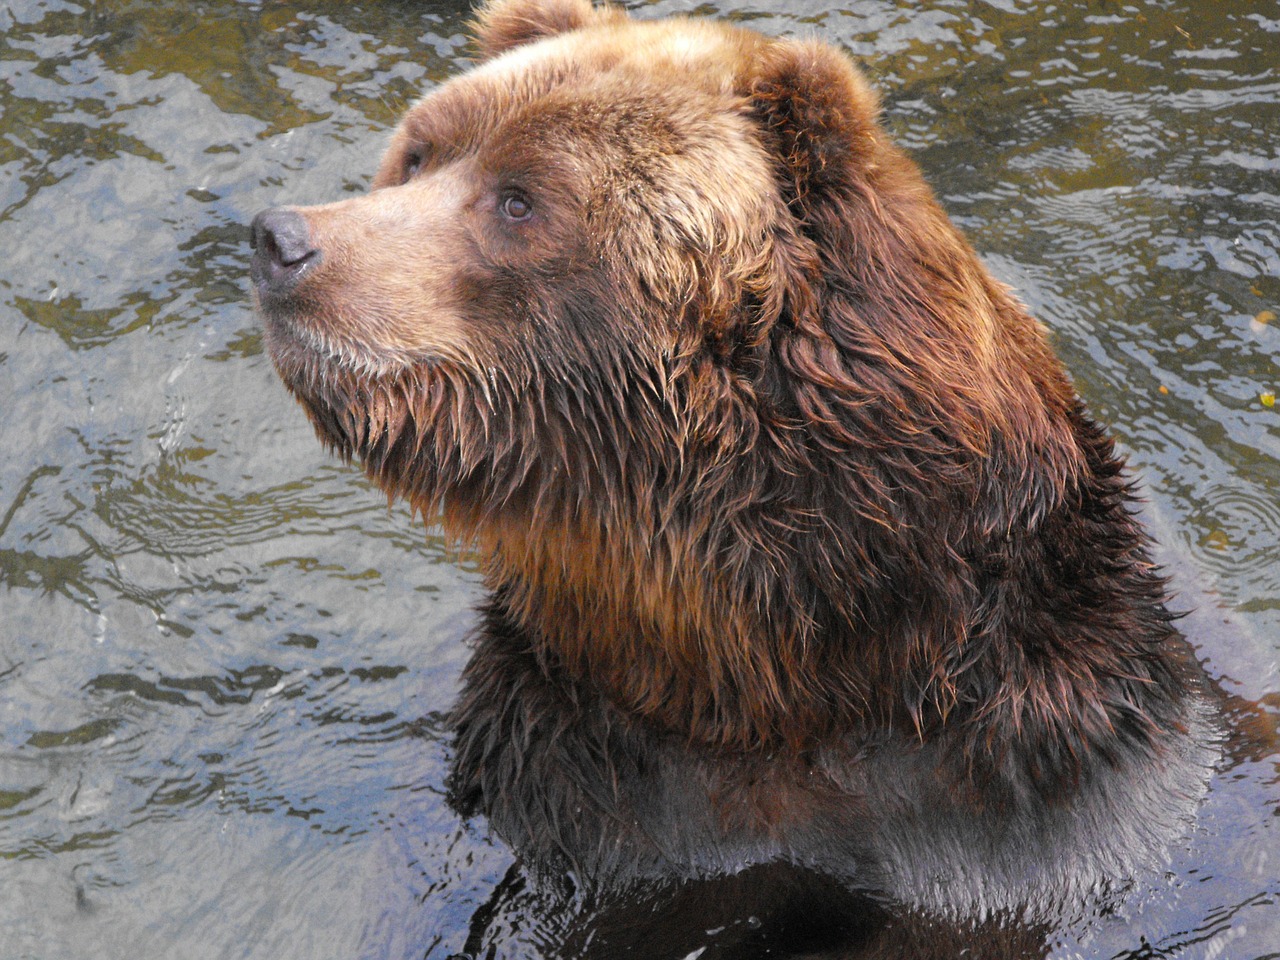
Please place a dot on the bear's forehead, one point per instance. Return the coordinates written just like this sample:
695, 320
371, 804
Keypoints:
673, 62
680, 52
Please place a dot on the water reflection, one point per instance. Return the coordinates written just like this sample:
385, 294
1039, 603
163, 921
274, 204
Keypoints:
223, 662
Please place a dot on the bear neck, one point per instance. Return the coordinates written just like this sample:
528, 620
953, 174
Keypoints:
1034, 645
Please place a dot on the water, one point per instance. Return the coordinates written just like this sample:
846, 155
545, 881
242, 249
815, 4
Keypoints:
224, 663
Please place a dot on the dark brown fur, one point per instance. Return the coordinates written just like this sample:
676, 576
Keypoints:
769, 474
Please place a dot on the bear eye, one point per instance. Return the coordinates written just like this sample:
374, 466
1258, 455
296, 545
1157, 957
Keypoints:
412, 164
516, 206
414, 161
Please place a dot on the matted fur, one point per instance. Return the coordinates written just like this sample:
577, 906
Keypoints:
778, 490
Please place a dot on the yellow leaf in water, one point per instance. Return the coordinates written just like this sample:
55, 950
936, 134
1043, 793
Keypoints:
1164, 389
1216, 539
1266, 316
1268, 399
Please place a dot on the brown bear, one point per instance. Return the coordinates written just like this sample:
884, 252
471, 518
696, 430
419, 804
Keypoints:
800, 545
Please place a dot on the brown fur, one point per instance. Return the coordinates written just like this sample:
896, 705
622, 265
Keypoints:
760, 457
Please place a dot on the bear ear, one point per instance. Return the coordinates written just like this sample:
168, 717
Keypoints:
819, 118
501, 25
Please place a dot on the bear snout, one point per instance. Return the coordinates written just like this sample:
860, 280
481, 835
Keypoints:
282, 251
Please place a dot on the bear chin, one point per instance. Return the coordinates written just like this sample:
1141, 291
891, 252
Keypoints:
799, 544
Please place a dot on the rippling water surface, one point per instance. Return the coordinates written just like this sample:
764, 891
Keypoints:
224, 663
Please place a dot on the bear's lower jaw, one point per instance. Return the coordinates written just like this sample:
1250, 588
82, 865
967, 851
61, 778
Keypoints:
304, 356
422, 434
353, 396
356, 412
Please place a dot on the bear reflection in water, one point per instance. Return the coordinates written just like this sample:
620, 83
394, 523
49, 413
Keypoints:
807, 569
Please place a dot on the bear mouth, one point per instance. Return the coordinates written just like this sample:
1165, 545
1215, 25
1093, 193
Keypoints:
295, 339
360, 403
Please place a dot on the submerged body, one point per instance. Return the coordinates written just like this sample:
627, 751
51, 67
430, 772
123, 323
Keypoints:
571, 782
800, 545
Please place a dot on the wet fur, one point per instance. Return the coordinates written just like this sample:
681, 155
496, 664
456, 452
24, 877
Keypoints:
800, 545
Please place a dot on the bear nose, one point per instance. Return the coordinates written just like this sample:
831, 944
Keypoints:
282, 250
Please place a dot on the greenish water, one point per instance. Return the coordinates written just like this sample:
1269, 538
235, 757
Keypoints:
224, 664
